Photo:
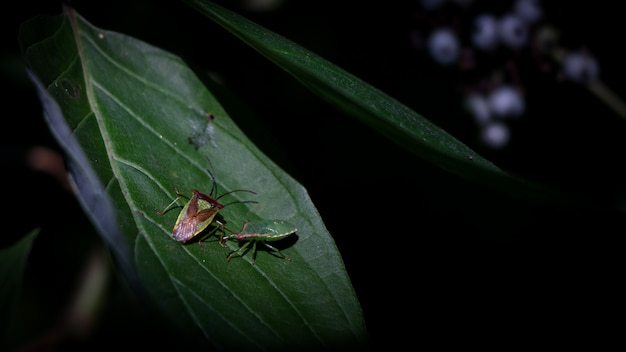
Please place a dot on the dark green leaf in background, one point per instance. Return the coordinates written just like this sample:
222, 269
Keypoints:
12, 264
140, 116
378, 110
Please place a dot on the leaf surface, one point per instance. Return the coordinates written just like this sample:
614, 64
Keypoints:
134, 122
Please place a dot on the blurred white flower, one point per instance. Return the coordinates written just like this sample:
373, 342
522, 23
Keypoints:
528, 10
580, 67
485, 32
478, 106
495, 134
444, 46
506, 101
513, 31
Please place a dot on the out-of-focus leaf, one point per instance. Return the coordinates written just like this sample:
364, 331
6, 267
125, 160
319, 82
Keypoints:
12, 264
378, 110
85, 181
140, 116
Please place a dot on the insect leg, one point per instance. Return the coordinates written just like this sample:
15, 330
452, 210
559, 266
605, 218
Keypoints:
168, 207
277, 251
241, 250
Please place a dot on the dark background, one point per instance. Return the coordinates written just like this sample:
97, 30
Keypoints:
462, 265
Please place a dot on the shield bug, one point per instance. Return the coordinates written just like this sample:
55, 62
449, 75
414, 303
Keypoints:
195, 216
259, 231
199, 212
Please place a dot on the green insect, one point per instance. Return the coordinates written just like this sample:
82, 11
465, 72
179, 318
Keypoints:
259, 231
199, 212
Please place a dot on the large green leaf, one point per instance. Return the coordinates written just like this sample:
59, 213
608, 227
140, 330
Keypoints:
378, 110
133, 121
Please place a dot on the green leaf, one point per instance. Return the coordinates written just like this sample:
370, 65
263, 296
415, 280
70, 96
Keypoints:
12, 265
378, 110
133, 121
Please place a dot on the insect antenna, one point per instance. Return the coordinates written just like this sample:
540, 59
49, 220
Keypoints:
213, 191
214, 188
238, 201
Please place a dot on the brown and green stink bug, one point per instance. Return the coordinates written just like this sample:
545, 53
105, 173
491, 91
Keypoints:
198, 213
196, 216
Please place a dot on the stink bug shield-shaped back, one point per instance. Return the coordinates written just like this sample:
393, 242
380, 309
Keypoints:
198, 213
196, 216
